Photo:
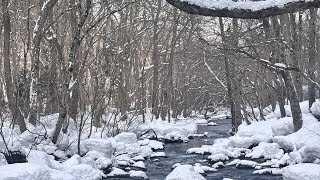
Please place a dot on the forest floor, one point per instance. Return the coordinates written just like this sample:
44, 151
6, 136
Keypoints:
294, 155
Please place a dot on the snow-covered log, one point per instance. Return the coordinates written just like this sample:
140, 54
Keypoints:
249, 9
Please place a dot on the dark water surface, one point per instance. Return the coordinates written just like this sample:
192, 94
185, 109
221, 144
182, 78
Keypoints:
158, 169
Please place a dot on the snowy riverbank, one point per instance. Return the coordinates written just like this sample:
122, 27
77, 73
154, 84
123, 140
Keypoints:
100, 155
294, 155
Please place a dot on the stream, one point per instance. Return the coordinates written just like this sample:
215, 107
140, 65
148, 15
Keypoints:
158, 169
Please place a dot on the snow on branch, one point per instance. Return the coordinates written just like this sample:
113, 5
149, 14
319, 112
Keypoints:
248, 9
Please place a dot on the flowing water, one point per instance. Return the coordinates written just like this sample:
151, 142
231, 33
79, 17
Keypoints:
158, 169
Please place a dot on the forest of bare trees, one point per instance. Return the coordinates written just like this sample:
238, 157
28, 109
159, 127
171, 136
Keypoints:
130, 57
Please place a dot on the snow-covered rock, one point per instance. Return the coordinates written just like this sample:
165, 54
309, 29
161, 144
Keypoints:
301, 171
74, 160
138, 174
145, 151
103, 163
209, 169
266, 150
138, 158
198, 168
40, 158
218, 157
156, 145
201, 121
84, 171
274, 171
212, 124
139, 164
60, 154
94, 154
184, 172
126, 138
282, 127
218, 165
310, 152
117, 172
100, 145
243, 163
315, 108
158, 154
22, 171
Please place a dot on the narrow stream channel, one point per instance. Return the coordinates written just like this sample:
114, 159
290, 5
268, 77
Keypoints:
158, 169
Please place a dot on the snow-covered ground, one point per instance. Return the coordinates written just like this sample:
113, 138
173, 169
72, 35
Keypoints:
295, 155
100, 155
276, 142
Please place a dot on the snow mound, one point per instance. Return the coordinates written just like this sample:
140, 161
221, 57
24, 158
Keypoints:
301, 171
184, 172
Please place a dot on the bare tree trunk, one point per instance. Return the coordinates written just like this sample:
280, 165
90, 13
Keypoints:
171, 59
155, 59
66, 90
229, 78
295, 51
235, 81
312, 56
35, 55
17, 114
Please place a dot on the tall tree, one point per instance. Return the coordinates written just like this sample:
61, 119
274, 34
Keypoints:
12, 101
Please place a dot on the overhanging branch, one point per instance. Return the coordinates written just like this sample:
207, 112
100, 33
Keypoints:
241, 11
